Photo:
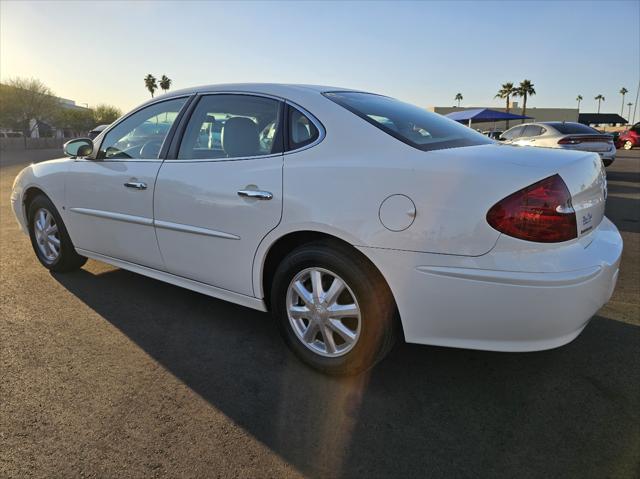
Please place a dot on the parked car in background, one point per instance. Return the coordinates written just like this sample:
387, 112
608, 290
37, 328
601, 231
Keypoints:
350, 216
11, 134
565, 135
630, 138
96, 131
493, 134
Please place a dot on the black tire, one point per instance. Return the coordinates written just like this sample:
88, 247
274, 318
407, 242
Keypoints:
68, 259
627, 145
378, 324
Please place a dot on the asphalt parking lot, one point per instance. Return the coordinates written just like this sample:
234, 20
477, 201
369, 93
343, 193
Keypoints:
105, 373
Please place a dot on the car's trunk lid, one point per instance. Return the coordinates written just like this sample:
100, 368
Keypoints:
583, 174
587, 142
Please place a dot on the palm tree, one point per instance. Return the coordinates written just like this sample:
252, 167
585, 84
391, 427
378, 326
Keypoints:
524, 90
600, 98
458, 98
579, 99
165, 83
505, 92
629, 115
150, 83
623, 92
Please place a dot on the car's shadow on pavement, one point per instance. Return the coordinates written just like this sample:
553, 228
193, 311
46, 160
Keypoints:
423, 412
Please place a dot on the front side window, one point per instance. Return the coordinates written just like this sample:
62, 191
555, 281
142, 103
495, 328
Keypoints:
513, 133
410, 124
140, 136
533, 130
232, 126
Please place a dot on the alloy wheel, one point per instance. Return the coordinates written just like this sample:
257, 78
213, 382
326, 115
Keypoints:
323, 312
47, 235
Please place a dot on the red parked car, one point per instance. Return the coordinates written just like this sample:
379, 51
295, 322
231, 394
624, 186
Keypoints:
629, 138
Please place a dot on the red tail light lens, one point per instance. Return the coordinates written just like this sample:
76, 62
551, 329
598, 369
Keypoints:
541, 212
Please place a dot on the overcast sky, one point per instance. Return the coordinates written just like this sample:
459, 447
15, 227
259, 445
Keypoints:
422, 52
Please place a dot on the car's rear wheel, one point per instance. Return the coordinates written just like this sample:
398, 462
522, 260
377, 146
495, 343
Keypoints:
49, 237
627, 145
333, 308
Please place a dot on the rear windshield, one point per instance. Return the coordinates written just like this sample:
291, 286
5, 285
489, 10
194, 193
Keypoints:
410, 124
574, 128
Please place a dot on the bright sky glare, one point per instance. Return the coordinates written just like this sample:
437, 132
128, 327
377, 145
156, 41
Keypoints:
422, 52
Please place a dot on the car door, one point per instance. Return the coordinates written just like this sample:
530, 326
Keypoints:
109, 198
220, 190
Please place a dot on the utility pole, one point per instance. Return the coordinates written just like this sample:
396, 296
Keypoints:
635, 106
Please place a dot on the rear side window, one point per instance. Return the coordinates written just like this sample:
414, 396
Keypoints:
574, 128
302, 131
408, 123
232, 126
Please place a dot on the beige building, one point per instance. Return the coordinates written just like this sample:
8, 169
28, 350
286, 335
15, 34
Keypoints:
536, 114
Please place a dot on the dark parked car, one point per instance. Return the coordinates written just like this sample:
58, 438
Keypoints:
493, 134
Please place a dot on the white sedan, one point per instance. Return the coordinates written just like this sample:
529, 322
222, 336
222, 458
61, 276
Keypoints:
350, 216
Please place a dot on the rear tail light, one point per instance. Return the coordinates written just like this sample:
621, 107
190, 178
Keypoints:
574, 140
541, 212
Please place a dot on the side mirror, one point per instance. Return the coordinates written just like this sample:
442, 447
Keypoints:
501, 138
78, 147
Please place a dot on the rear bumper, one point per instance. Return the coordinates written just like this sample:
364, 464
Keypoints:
608, 157
506, 300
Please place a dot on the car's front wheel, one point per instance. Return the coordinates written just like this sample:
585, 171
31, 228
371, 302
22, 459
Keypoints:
334, 309
627, 145
49, 237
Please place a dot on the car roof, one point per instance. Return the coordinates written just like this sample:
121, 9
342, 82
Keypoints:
300, 93
274, 88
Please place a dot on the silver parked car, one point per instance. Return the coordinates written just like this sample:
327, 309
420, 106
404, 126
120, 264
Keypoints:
565, 134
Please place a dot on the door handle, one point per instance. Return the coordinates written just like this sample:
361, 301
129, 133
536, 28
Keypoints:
260, 195
138, 185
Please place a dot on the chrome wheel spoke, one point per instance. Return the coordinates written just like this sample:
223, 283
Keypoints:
328, 339
344, 311
316, 283
310, 333
303, 293
52, 248
335, 290
299, 312
41, 220
344, 332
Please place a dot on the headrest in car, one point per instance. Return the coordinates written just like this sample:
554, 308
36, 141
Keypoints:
240, 137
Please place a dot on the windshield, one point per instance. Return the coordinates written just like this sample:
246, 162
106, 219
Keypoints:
410, 124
